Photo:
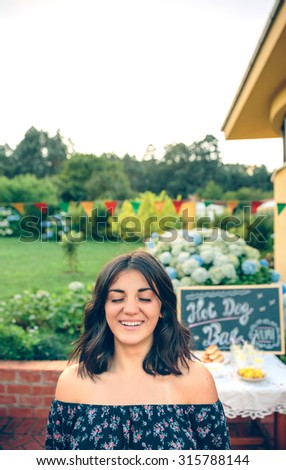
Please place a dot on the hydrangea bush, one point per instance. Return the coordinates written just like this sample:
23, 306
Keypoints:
42, 325
208, 257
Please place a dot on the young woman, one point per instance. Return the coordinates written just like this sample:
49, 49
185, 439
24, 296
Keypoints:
133, 382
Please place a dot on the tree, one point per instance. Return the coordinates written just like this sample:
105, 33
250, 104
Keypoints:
39, 154
56, 154
6, 164
212, 191
188, 168
88, 177
261, 178
74, 176
108, 181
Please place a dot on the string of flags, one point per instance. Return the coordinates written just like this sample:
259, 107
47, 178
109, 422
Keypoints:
111, 205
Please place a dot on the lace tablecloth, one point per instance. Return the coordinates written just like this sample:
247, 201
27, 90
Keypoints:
248, 399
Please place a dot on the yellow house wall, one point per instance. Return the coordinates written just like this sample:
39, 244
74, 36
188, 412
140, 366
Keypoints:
279, 181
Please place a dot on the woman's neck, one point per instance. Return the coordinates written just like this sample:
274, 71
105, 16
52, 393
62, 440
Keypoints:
128, 360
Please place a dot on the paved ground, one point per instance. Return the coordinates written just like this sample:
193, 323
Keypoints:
29, 434
22, 433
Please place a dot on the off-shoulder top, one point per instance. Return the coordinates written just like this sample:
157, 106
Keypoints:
74, 426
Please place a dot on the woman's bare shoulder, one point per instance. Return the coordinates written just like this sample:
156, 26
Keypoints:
199, 384
68, 384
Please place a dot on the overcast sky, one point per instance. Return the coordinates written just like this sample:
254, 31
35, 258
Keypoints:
117, 75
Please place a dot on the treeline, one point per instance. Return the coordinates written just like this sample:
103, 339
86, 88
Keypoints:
44, 167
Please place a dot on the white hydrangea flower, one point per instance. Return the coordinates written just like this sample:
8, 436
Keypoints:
42, 293
165, 246
207, 256
176, 284
189, 265
165, 257
76, 285
200, 275
252, 253
229, 271
179, 269
233, 259
236, 249
216, 274
220, 259
176, 250
241, 242
183, 256
186, 281
191, 249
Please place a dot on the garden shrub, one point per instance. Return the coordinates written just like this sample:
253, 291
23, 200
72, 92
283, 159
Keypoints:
133, 226
39, 325
211, 257
16, 343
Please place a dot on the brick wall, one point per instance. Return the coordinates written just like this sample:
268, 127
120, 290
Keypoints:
28, 387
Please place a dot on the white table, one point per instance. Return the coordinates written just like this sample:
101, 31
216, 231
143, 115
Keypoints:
255, 400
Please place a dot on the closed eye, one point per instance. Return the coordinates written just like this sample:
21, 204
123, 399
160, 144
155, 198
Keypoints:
145, 300
116, 300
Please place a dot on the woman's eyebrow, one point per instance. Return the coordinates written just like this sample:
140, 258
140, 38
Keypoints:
121, 291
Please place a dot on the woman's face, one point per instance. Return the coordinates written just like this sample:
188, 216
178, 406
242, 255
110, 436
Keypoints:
132, 309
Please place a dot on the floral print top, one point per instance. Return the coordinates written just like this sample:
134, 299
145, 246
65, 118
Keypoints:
73, 426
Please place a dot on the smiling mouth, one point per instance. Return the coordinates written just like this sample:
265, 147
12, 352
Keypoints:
131, 323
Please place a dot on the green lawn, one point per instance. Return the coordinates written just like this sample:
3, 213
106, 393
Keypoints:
42, 265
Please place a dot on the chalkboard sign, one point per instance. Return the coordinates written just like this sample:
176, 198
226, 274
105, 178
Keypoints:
224, 314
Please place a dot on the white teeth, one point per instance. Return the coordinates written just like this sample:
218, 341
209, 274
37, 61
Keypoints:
131, 323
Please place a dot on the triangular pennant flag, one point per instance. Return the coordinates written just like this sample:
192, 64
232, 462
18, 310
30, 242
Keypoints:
177, 204
188, 212
231, 205
87, 206
19, 206
208, 203
159, 205
136, 205
281, 206
255, 205
64, 206
110, 206
42, 206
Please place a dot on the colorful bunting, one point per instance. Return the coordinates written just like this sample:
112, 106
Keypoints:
208, 203
189, 209
255, 205
159, 205
110, 206
231, 205
136, 205
42, 206
19, 206
280, 207
177, 204
64, 206
87, 206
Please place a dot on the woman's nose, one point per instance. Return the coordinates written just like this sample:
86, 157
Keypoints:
130, 306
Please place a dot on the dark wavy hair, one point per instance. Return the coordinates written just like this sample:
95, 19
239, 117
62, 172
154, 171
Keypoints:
171, 340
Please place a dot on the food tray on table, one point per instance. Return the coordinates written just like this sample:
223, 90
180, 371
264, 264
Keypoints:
251, 374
